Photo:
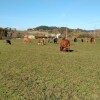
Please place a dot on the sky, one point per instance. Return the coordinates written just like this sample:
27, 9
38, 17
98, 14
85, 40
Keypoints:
24, 14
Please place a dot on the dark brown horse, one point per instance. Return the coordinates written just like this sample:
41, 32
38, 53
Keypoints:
8, 41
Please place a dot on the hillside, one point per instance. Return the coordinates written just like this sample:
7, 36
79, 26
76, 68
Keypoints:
45, 30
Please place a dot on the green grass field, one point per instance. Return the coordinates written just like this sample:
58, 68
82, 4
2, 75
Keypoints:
35, 72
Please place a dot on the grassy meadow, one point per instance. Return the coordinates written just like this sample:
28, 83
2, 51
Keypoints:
36, 72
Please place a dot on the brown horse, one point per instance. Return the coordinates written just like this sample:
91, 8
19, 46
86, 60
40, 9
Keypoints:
64, 45
41, 41
26, 39
92, 40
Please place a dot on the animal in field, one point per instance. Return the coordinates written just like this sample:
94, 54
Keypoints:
31, 36
92, 40
49, 40
82, 40
87, 40
75, 39
26, 39
8, 42
55, 40
41, 41
65, 45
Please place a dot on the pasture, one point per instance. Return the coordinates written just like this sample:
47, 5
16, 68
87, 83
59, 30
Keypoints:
43, 72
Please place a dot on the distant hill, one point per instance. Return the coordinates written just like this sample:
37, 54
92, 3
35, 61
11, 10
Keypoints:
71, 32
43, 30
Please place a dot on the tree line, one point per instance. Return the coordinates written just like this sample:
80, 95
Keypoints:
8, 33
63, 30
71, 32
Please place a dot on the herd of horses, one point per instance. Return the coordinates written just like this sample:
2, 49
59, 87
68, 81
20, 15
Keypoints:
64, 44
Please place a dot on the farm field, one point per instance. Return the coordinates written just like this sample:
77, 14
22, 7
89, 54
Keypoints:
36, 72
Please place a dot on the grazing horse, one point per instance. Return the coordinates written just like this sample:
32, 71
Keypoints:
75, 39
41, 41
92, 40
87, 40
49, 40
26, 39
64, 45
55, 40
8, 41
82, 40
